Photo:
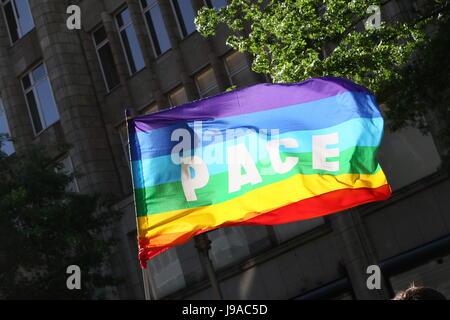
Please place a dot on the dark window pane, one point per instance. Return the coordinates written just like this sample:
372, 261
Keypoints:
186, 16
158, 30
38, 73
26, 82
216, 3
147, 3
242, 79
47, 103
7, 146
34, 112
99, 35
109, 67
211, 92
24, 15
12, 24
228, 246
123, 18
132, 49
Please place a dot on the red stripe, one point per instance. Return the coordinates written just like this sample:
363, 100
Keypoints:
321, 205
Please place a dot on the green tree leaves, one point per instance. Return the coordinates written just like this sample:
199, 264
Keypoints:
296, 40
44, 229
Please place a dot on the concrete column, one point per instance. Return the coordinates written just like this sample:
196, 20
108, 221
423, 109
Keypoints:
147, 51
99, 87
12, 94
79, 111
172, 31
357, 252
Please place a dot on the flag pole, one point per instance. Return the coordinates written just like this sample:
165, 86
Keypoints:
146, 279
145, 273
203, 244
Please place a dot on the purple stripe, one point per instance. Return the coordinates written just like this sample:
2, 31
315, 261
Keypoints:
259, 97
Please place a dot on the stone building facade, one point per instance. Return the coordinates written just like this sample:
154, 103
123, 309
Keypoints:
72, 86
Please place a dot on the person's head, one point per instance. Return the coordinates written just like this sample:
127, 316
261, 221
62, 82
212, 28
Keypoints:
419, 293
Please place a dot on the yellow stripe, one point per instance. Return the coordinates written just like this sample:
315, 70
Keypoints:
257, 201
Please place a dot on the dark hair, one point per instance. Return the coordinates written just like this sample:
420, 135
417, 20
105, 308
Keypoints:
419, 293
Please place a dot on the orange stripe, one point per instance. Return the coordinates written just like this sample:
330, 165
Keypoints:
321, 205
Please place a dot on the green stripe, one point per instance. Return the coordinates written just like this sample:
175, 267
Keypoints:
170, 196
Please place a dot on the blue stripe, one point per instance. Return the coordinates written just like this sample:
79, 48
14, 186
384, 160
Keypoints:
363, 132
314, 115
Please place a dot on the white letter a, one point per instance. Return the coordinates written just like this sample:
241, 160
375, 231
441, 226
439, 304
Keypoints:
74, 21
74, 281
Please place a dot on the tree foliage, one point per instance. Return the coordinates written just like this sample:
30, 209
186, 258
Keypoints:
420, 93
44, 229
294, 40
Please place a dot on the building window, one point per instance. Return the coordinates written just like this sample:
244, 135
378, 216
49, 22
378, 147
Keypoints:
216, 4
105, 56
185, 16
123, 132
336, 290
407, 156
130, 43
149, 109
67, 168
228, 245
433, 274
238, 70
40, 100
18, 17
232, 245
174, 270
166, 274
178, 97
206, 83
156, 27
6, 146
287, 231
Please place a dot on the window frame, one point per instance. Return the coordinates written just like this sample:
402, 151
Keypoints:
32, 88
175, 89
20, 34
149, 32
3, 109
170, 259
120, 29
204, 94
413, 258
232, 74
97, 47
177, 14
149, 108
71, 171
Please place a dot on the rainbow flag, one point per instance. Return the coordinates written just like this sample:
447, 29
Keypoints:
264, 154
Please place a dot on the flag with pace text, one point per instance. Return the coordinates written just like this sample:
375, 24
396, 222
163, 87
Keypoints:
264, 154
